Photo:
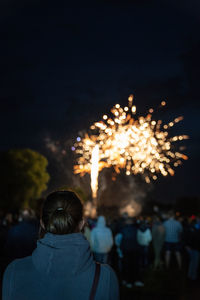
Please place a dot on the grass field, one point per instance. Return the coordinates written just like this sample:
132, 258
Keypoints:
163, 285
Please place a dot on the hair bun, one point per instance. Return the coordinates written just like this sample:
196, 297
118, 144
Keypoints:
62, 212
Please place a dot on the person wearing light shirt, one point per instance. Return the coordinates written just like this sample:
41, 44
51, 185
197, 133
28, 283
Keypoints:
173, 231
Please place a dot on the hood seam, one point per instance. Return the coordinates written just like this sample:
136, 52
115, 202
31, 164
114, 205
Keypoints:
50, 262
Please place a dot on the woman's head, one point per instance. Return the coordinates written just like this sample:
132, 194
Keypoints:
62, 213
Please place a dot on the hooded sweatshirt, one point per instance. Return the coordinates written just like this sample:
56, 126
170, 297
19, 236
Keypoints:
144, 236
101, 237
61, 267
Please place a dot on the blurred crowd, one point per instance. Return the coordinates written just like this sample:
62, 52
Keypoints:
19, 233
130, 245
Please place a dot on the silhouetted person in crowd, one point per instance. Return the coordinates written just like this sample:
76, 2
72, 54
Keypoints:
144, 238
62, 266
22, 237
126, 241
173, 232
197, 222
158, 239
101, 240
5, 225
192, 242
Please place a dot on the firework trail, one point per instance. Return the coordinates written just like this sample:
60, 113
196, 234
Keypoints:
94, 170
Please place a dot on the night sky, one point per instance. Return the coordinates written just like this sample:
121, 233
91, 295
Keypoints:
63, 67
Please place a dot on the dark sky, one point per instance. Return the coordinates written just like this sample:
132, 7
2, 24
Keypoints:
62, 67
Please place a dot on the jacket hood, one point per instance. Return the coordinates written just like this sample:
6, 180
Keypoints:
143, 227
101, 222
65, 255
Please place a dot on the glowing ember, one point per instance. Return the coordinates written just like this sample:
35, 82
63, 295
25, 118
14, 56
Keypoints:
138, 145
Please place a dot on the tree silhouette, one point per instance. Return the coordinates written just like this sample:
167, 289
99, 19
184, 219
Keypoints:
23, 178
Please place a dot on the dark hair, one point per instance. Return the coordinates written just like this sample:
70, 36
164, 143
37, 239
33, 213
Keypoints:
171, 214
62, 212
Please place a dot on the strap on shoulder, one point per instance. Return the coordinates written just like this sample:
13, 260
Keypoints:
95, 282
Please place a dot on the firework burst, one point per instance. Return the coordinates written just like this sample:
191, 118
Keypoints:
140, 145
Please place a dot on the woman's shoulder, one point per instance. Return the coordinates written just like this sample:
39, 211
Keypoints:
18, 269
19, 264
108, 272
109, 279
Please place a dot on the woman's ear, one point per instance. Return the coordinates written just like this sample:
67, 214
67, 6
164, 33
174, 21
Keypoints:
42, 224
41, 230
82, 224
